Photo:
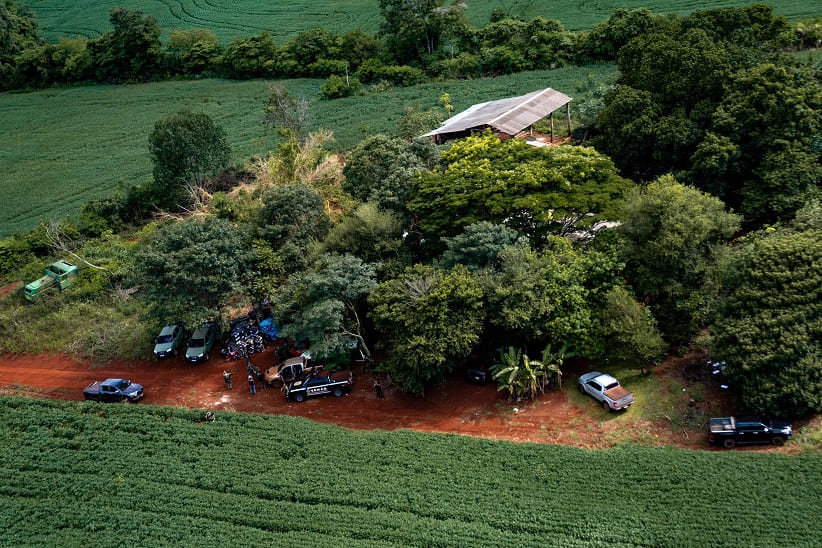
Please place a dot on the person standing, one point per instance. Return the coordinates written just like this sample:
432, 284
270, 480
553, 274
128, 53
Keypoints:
261, 378
378, 389
251, 386
227, 379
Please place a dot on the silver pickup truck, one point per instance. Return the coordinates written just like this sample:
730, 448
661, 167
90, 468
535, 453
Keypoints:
606, 390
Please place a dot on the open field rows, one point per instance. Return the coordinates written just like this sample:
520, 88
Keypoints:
60, 148
76, 472
285, 18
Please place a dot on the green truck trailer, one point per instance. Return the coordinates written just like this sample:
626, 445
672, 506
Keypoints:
60, 274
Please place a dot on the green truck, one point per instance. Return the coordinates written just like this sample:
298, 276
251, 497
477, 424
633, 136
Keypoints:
60, 274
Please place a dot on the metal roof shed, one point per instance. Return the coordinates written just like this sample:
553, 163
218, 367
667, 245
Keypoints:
505, 116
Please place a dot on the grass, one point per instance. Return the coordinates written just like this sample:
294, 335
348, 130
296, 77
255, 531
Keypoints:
73, 470
284, 19
60, 148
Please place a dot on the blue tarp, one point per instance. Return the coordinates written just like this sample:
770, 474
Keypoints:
267, 326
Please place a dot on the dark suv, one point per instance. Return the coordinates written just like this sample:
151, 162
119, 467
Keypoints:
169, 340
201, 342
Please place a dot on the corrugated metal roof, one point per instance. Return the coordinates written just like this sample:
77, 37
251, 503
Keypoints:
509, 116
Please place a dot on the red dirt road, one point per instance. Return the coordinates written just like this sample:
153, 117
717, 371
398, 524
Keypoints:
458, 407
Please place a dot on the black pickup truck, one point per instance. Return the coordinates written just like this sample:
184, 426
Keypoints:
113, 390
319, 383
730, 431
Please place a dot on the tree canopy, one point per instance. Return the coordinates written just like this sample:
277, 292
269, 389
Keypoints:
769, 324
185, 147
535, 191
672, 233
189, 268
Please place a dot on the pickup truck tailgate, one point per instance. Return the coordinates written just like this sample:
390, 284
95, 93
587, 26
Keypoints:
620, 396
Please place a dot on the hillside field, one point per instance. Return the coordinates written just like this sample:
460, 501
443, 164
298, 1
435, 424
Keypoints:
230, 19
60, 148
83, 473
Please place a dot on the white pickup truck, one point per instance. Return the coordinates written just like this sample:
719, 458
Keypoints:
606, 390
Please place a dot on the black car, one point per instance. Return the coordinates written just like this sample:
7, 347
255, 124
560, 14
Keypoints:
479, 376
730, 431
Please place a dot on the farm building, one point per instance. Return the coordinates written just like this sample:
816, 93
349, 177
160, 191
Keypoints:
511, 117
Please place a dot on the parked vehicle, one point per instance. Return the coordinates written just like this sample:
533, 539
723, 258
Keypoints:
169, 340
290, 370
479, 376
58, 274
729, 431
201, 342
606, 390
113, 390
319, 384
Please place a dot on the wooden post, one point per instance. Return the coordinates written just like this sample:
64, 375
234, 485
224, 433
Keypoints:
552, 127
568, 116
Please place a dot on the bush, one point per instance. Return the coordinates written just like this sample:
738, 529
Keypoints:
336, 87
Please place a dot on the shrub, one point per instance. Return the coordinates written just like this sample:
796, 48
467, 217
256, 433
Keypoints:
336, 87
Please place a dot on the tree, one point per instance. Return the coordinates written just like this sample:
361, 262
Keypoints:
185, 148
292, 217
18, 32
414, 27
285, 112
415, 121
479, 246
189, 268
428, 318
249, 57
372, 234
629, 330
769, 326
382, 170
324, 304
538, 298
132, 51
672, 233
535, 191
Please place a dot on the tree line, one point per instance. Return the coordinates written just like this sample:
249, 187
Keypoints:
417, 41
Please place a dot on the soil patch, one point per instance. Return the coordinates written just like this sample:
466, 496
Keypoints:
457, 407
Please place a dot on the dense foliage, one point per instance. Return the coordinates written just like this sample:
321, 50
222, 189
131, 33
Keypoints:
74, 471
672, 235
707, 97
535, 191
769, 325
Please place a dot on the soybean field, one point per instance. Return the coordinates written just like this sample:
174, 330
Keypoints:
83, 473
60, 148
284, 19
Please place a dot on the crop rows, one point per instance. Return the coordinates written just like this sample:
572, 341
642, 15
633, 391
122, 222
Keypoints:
73, 470
60, 148
231, 19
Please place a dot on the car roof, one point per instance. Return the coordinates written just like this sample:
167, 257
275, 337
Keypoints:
169, 329
112, 381
601, 378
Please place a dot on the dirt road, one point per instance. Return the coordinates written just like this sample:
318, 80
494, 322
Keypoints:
458, 407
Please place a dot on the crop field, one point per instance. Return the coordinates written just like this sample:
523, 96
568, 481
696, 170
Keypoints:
60, 148
285, 18
81, 473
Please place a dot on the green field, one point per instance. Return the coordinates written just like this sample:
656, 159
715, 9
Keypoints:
285, 18
60, 148
89, 474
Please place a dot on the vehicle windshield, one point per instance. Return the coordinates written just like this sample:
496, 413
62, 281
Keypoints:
612, 385
196, 343
122, 385
163, 339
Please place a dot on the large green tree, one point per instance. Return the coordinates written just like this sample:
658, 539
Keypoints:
189, 268
535, 191
414, 28
185, 148
131, 51
18, 32
769, 325
382, 170
428, 318
672, 233
325, 304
